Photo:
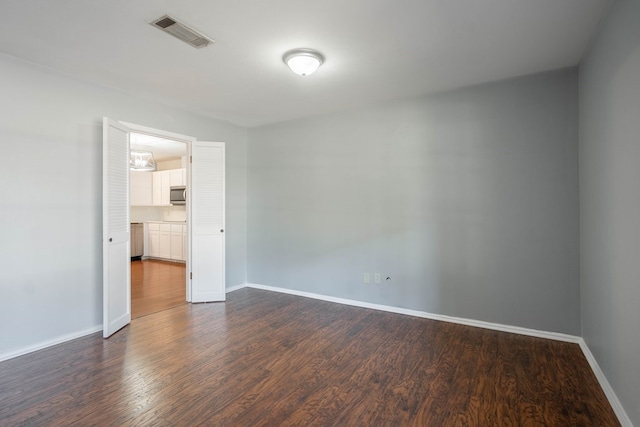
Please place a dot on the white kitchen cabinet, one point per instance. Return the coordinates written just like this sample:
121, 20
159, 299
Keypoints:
162, 183
184, 244
157, 189
166, 187
141, 188
177, 177
177, 242
154, 239
165, 241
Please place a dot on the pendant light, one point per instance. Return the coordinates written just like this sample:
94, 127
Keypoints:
303, 61
142, 161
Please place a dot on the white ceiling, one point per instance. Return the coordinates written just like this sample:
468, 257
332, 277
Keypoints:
376, 50
162, 149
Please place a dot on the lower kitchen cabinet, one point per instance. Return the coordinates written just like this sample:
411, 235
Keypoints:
166, 241
177, 242
154, 239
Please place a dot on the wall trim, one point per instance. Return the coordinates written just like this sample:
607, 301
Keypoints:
49, 343
236, 287
68, 337
426, 315
606, 387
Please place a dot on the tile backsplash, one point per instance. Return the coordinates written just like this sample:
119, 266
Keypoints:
158, 213
174, 213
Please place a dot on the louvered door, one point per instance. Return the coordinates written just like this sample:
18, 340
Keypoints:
115, 227
207, 222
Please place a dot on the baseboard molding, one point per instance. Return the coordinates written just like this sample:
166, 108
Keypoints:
426, 315
237, 287
68, 337
42, 345
606, 387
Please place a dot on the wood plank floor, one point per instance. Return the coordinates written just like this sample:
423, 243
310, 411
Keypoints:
156, 286
269, 359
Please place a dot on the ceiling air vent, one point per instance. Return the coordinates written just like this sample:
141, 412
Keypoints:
181, 31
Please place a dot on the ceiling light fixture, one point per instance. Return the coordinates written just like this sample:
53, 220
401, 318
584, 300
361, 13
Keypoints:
142, 161
303, 61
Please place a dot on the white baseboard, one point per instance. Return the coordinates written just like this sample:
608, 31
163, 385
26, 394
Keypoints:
423, 314
606, 387
235, 288
49, 343
68, 337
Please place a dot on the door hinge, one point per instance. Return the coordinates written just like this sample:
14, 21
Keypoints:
190, 159
191, 275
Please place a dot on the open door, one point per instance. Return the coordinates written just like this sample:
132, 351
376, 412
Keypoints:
207, 222
116, 284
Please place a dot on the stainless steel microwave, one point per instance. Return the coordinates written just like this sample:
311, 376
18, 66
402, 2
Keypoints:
178, 195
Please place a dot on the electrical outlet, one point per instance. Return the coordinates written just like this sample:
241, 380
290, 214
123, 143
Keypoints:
366, 278
376, 278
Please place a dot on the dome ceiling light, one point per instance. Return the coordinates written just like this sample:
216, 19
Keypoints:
303, 61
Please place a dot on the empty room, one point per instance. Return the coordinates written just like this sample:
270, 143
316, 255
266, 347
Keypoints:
356, 213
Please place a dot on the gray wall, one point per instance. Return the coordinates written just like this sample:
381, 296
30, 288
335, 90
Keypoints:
468, 200
610, 201
51, 206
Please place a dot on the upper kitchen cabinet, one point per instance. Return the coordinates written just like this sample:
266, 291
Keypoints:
141, 187
161, 187
153, 188
178, 177
162, 183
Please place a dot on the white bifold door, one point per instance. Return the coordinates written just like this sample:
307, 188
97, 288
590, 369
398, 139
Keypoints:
207, 222
116, 284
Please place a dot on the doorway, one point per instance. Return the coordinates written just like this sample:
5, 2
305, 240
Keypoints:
158, 169
204, 241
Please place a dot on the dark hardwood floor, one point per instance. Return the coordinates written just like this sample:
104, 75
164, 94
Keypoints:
156, 286
269, 359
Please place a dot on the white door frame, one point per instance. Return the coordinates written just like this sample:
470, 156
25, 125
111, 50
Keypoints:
189, 140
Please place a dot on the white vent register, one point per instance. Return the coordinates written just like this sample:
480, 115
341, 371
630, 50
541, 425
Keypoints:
179, 30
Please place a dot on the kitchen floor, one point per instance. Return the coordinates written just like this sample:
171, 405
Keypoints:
156, 286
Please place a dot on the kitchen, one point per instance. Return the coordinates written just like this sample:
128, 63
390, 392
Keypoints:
158, 219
